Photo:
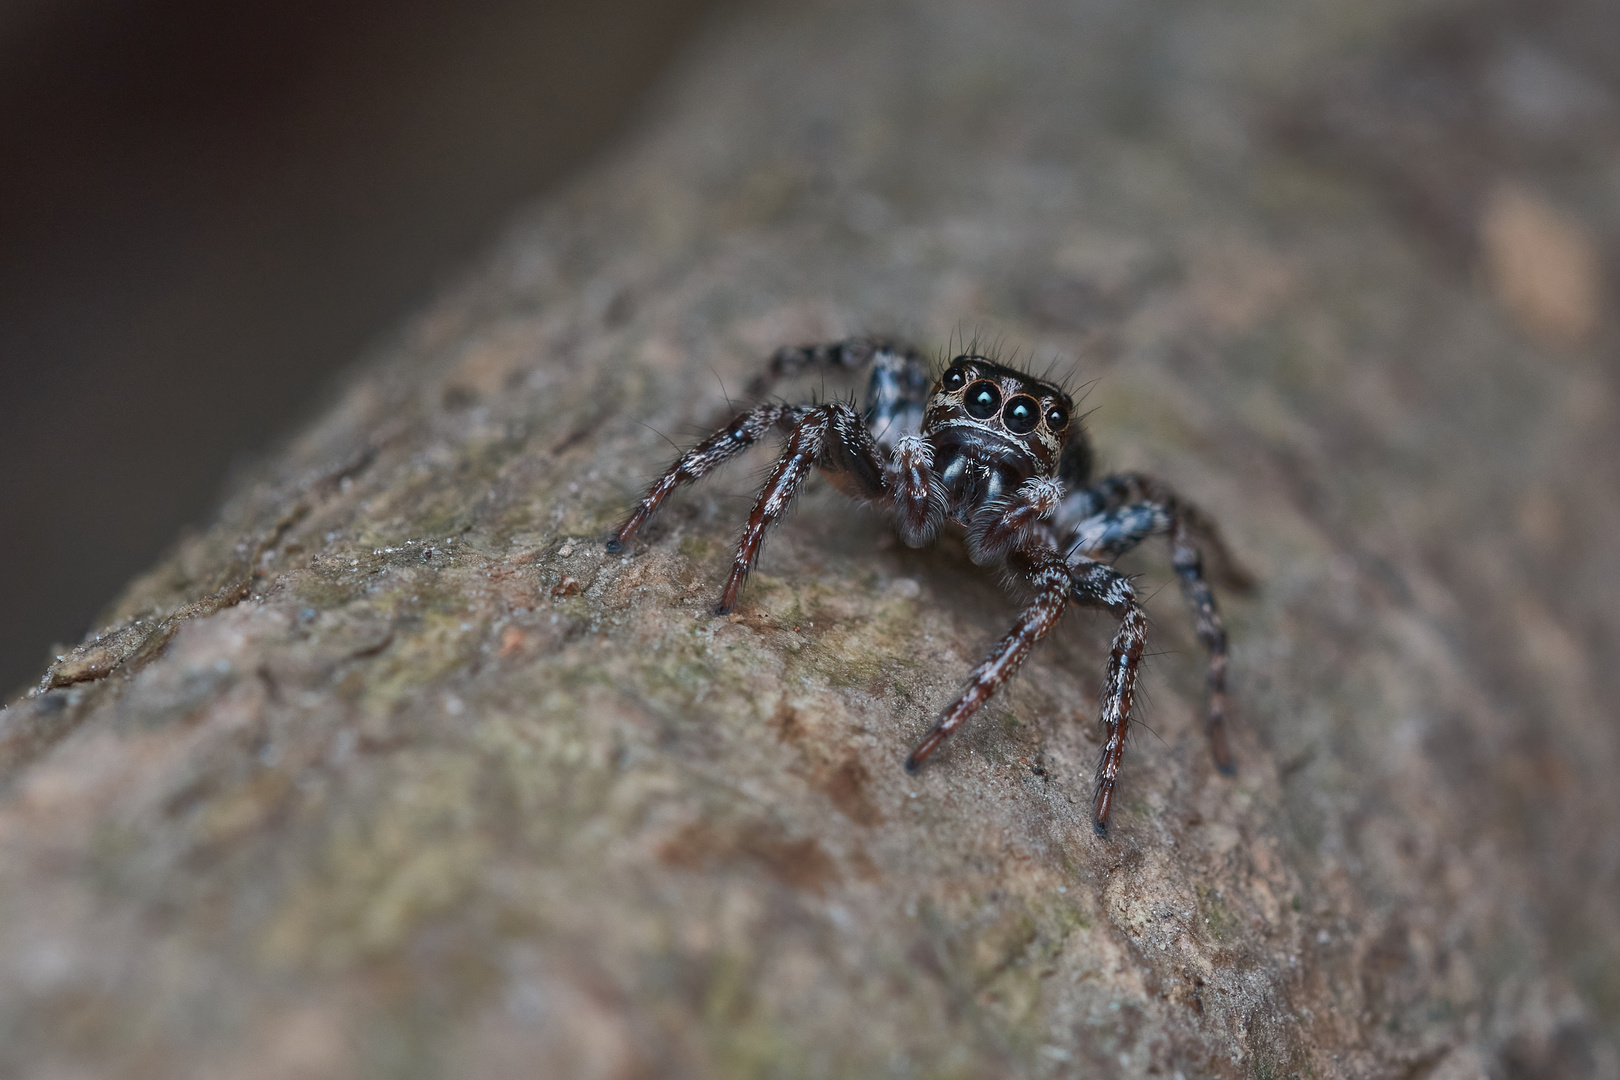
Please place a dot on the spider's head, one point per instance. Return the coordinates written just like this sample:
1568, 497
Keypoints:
997, 413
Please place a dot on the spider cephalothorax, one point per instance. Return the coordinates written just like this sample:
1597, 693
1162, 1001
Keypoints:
986, 412
992, 429
996, 451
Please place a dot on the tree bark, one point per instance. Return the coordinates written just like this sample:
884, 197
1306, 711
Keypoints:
393, 770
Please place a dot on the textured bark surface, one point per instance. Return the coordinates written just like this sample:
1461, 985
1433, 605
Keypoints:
393, 771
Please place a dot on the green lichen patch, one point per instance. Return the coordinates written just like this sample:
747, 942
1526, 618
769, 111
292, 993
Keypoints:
402, 851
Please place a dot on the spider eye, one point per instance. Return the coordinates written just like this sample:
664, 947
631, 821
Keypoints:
954, 379
1021, 415
1057, 418
982, 400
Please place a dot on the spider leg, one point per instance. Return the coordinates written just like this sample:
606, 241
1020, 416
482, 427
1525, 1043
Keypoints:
1114, 526
896, 395
743, 431
1047, 573
1122, 489
831, 436
1100, 585
792, 359
916, 490
1189, 564
1002, 524
849, 354
1114, 532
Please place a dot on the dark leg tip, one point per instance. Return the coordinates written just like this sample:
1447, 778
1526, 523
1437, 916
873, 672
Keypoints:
1100, 828
1226, 768
614, 545
912, 764
722, 609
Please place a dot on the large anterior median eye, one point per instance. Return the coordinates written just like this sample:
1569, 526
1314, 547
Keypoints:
954, 379
1021, 415
982, 400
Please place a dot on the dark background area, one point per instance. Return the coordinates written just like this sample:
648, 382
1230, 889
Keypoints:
206, 211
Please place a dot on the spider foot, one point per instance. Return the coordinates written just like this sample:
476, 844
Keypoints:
1102, 807
1219, 748
929, 744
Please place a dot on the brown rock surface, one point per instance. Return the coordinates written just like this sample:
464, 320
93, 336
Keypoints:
393, 771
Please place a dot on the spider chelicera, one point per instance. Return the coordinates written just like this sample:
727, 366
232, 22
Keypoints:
998, 453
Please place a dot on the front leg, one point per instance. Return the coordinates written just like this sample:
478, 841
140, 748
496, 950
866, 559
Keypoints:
1101, 585
1044, 569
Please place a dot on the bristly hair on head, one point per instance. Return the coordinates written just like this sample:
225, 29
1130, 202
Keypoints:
959, 344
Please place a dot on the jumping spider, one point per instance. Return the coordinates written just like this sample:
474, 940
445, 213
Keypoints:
997, 452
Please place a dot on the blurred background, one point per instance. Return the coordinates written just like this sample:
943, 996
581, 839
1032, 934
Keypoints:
206, 210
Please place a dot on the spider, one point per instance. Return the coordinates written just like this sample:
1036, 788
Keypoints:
998, 453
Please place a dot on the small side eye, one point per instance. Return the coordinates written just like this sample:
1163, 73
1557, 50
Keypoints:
954, 379
1057, 418
983, 400
1021, 415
